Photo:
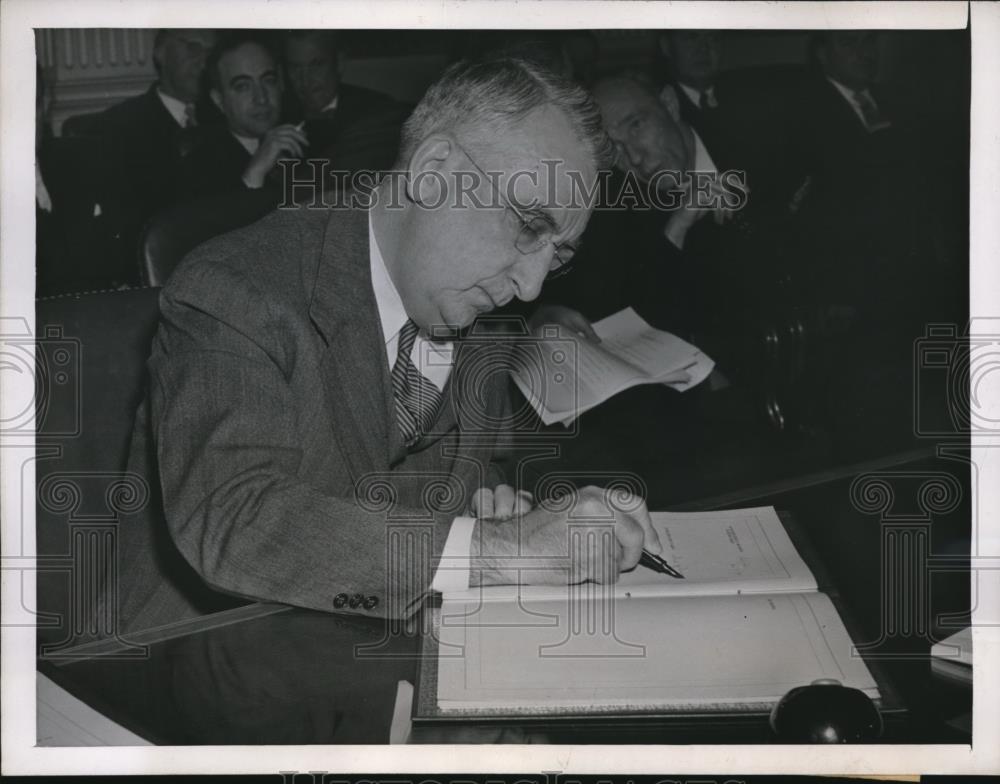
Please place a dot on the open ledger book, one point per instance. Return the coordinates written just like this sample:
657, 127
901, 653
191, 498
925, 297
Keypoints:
745, 626
564, 376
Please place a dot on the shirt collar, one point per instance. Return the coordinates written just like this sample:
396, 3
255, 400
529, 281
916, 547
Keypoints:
391, 312
176, 107
249, 143
695, 94
332, 105
702, 160
848, 93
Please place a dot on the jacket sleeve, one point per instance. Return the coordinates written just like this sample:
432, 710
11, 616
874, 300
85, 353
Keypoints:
225, 423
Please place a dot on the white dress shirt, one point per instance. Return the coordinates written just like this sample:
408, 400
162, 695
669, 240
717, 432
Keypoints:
848, 94
434, 360
702, 160
702, 163
695, 95
42, 197
331, 106
176, 107
250, 144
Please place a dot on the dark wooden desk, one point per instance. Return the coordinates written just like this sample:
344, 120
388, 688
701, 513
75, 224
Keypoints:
299, 677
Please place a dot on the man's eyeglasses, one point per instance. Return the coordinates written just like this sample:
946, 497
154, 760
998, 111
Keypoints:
535, 232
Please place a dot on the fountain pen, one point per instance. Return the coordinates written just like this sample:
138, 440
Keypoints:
657, 564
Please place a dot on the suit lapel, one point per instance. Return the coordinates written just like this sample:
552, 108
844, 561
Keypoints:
354, 364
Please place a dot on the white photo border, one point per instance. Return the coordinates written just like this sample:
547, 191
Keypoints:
17, 84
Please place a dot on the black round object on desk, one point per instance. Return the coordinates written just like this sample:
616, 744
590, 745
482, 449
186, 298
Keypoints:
826, 712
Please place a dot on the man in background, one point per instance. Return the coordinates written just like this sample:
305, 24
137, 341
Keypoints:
147, 137
245, 83
747, 117
73, 241
867, 221
351, 127
638, 255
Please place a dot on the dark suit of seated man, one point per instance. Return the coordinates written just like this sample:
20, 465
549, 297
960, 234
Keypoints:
870, 217
746, 116
246, 85
351, 127
322, 412
147, 137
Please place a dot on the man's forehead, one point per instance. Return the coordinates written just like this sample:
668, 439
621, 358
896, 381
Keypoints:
249, 59
622, 98
307, 48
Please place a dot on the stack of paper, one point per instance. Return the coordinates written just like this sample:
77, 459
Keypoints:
563, 376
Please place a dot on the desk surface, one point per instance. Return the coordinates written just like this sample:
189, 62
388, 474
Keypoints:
300, 677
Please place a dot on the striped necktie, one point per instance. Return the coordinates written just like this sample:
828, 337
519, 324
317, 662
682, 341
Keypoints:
418, 401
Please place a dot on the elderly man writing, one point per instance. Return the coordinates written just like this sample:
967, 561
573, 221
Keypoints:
320, 417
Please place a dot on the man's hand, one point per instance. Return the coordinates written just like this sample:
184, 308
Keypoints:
282, 141
591, 534
502, 503
563, 317
682, 219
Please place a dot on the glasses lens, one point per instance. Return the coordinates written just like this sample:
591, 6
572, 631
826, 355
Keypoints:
531, 237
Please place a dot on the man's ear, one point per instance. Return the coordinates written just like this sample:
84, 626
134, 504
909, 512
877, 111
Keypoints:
670, 101
426, 183
216, 97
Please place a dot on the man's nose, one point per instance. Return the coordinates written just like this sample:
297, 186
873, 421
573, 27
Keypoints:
259, 94
529, 274
634, 155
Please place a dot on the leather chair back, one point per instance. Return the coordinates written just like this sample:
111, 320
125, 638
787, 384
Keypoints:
91, 353
176, 231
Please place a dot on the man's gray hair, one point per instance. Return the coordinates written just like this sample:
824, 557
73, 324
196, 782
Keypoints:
493, 95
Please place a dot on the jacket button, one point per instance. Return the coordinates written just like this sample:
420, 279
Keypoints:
371, 602
340, 600
355, 601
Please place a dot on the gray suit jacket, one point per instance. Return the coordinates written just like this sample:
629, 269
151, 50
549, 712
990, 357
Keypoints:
270, 427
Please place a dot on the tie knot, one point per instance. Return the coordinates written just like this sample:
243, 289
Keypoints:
407, 336
190, 120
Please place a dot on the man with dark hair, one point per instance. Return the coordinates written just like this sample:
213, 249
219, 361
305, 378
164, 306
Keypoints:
323, 411
245, 83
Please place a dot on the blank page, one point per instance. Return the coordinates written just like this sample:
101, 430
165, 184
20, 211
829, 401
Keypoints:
713, 653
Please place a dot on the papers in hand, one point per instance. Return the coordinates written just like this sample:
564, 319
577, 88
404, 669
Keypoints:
563, 375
